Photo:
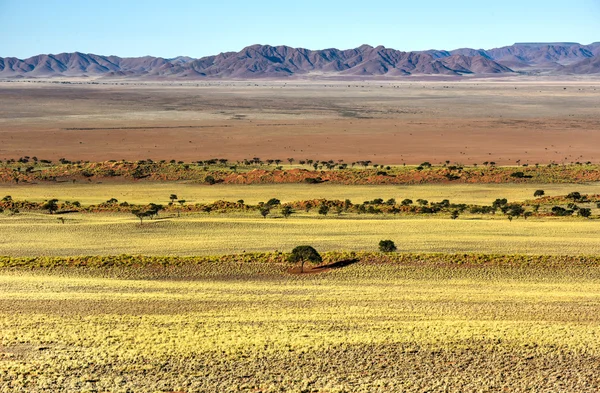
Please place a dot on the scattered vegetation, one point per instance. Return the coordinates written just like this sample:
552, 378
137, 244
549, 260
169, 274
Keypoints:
257, 171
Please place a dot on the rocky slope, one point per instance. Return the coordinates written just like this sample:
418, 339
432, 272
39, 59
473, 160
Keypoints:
264, 61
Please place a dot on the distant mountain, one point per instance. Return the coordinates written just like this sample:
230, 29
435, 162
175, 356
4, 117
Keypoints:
264, 61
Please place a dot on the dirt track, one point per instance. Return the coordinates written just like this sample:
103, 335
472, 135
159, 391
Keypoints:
385, 122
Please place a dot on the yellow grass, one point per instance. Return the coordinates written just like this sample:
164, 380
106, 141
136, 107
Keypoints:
145, 192
367, 328
200, 234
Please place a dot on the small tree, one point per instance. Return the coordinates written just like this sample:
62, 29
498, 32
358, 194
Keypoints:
576, 196
140, 214
387, 246
323, 210
210, 180
50, 205
172, 197
454, 215
264, 211
181, 203
273, 202
287, 211
584, 212
539, 193
304, 254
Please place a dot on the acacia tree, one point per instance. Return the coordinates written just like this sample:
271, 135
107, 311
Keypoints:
584, 212
50, 205
287, 211
304, 254
264, 211
140, 214
323, 210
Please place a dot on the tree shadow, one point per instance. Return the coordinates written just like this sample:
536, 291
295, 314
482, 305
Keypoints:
337, 265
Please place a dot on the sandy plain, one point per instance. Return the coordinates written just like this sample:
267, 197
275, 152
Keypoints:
387, 122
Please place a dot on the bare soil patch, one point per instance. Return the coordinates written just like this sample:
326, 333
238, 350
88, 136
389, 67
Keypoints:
385, 122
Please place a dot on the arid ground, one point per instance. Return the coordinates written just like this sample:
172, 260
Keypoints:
494, 286
390, 122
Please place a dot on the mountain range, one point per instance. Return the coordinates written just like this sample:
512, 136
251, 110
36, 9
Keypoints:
264, 61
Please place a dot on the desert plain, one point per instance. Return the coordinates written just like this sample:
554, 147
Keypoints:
502, 120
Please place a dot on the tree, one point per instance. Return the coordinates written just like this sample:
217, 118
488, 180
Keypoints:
264, 211
454, 215
273, 202
50, 205
172, 197
181, 203
140, 214
574, 196
407, 202
513, 210
584, 212
210, 180
287, 211
323, 210
539, 193
499, 203
304, 254
153, 209
387, 246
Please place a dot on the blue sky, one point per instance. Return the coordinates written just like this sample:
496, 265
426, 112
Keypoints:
199, 28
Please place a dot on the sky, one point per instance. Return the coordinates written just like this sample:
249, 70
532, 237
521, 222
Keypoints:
200, 28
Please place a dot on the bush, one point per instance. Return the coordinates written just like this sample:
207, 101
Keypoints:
210, 180
584, 212
387, 246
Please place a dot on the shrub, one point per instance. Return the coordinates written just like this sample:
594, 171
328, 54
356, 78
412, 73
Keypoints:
210, 180
584, 212
387, 246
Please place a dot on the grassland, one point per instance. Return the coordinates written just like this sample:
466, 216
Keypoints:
253, 327
37, 234
158, 192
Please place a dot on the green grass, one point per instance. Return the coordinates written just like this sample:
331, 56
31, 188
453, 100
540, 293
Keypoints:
145, 192
201, 234
362, 328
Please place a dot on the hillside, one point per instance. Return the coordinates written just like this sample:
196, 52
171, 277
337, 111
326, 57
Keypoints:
264, 61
